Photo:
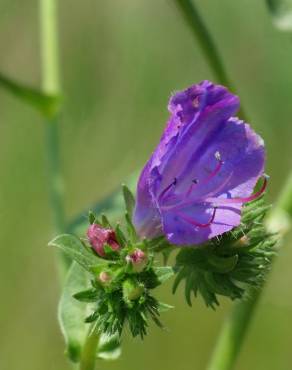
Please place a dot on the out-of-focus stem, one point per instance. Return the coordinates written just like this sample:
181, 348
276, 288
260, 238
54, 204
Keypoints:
233, 333
88, 357
51, 86
206, 42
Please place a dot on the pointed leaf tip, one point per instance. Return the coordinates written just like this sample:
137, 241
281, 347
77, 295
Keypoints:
75, 249
129, 200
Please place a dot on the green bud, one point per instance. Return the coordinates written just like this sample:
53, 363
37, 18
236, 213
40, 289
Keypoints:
132, 290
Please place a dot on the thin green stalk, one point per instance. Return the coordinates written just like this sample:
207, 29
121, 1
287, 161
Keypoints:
233, 333
51, 86
206, 42
88, 357
235, 328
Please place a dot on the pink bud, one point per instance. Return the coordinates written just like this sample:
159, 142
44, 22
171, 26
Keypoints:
99, 236
138, 259
104, 277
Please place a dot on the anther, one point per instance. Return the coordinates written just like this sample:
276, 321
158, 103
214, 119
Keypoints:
167, 188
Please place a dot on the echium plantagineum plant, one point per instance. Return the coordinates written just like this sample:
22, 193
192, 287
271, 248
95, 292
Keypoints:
196, 198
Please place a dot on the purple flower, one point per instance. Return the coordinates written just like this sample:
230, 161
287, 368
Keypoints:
203, 170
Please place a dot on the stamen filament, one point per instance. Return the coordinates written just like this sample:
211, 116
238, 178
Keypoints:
254, 196
208, 178
196, 223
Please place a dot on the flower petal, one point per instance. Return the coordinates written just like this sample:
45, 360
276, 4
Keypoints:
197, 126
146, 218
180, 231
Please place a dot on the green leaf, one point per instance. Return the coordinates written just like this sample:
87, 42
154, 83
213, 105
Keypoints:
163, 273
130, 228
91, 217
164, 307
105, 221
89, 295
281, 11
222, 264
109, 347
47, 104
75, 249
71, 313
129, 200
112, 205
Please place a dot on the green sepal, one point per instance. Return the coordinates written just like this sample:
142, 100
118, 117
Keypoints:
91, 217
129, 200
105, 222
130, 229
230, 265
89, 295
121, 238
164, 307
163, 273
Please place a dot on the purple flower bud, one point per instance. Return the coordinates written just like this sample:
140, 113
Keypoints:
138, 259
99, 236
203, 170
104, 277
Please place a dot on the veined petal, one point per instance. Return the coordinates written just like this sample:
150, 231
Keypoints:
204, 155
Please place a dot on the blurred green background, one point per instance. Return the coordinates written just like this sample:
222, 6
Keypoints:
120, 61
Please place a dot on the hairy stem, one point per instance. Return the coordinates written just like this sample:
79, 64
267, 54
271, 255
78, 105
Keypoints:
206, 42
51, 86
88, 357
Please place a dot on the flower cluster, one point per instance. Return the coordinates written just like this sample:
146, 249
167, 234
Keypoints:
195, 196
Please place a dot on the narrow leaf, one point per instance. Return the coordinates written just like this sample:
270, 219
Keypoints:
163, 273
112, 205
89, 295
71, 313
222, 264
46, 104
74, 248
129, 200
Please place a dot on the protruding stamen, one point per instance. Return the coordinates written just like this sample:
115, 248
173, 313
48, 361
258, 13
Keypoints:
254, 196
162, 194
196, 223
216, 170
208, 178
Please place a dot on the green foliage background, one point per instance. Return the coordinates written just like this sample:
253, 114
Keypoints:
120, 61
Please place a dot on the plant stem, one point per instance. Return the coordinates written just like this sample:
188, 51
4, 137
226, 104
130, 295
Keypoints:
233, 333
88, 357
206, 42
51, 86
